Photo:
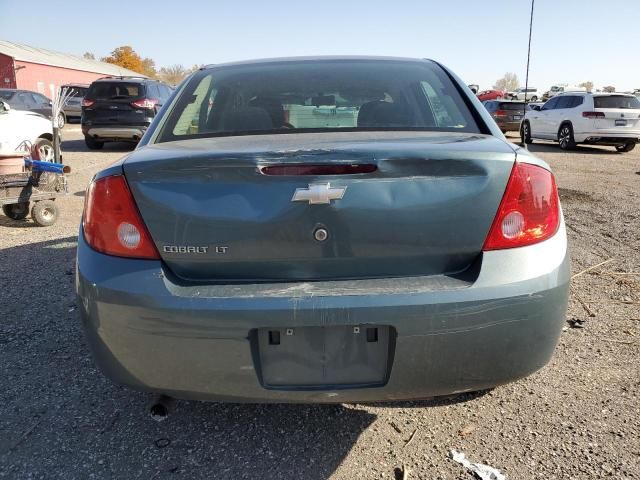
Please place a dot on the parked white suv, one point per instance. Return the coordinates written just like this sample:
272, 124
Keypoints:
519, 94
591, 118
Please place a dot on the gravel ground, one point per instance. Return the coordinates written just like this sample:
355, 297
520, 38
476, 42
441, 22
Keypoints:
576, 418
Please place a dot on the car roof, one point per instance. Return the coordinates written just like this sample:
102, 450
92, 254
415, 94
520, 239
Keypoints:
317, 58
609, 94
83, 85
595, 94
16, 90
122, 79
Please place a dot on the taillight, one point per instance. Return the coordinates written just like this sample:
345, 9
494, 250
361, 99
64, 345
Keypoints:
500, 113
529, 211
145, 103
112, 223
593, 114
86, 102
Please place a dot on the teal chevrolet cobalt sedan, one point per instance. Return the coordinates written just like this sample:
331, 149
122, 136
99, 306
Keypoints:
322, 229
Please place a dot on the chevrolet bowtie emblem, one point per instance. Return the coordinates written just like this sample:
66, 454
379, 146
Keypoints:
318, 193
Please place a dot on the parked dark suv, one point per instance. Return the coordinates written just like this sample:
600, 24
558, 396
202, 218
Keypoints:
119, 109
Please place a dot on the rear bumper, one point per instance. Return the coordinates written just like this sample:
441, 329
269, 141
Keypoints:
72, 111
194, 342
607, 137
508, 126
116, 133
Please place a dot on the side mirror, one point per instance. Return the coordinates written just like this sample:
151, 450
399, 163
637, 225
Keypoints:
50, 103
4, 106
536, 107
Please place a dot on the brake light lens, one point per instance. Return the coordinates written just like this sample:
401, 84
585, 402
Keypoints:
112, 223
145, 103
87, 102
529, 211
500, 113
593, 114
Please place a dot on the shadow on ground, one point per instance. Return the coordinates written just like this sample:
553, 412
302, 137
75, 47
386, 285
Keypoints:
580, 149
79, 146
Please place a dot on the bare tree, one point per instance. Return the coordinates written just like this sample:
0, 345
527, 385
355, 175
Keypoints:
173, 74
588, 85
89, 56
508, 83
609, 89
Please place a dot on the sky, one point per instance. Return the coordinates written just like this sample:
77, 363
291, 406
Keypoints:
573, 40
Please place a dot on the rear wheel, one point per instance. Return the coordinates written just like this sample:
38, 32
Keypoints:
62, 120
16, 211
627, 147
565, 137
534, 99
44, 213
93, 144
525, 133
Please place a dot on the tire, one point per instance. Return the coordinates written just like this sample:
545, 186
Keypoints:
16, 211
565, 137
525, 133
44, 149
534, 99
44, 213
93, 144
627, 147
62, 120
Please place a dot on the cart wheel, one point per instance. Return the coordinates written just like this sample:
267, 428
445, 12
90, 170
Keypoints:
16, 211
44, 213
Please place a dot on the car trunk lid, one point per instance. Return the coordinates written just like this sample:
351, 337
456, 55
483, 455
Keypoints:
422, 204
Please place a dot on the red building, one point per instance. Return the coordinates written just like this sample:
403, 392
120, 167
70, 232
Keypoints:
40, 70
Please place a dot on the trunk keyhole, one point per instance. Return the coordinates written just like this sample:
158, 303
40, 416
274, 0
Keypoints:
321, 234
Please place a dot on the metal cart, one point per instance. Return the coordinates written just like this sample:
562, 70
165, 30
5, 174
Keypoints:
33, 191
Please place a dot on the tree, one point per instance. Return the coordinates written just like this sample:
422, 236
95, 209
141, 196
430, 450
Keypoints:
149, 68
173, 74
508, 83
609, 89
588, 85
126, 57
89, 56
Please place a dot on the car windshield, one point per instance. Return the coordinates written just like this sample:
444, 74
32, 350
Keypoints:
616, 101
114, 90
320, 95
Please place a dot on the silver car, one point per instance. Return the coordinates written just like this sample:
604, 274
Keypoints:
73, 107
322, 229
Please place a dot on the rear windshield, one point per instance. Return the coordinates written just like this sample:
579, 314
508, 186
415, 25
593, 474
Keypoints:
77, 91
6, 94
616, 101
114, 90
521, 106
331, 95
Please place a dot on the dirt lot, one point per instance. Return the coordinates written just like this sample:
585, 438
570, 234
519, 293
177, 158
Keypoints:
577, 418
